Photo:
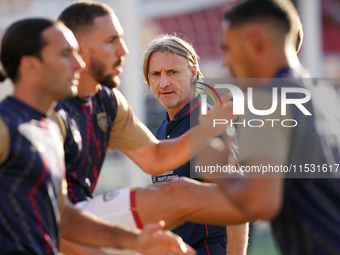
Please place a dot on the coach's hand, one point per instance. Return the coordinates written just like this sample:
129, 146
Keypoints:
155, 241
218, 119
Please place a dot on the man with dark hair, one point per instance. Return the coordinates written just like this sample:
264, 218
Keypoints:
101, 119
35, 210
105, 120
259, 41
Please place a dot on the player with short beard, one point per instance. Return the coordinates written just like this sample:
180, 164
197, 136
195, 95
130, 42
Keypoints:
100, 119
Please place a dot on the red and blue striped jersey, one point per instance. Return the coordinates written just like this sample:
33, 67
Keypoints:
88, 126
31, 172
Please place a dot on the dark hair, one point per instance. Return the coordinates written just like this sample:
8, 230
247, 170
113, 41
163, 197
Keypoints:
80, 15
252, 10
22, 38
282, 11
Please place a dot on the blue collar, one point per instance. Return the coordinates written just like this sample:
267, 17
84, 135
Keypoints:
183, 112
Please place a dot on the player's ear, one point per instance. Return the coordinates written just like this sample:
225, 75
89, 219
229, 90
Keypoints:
193, 73
256, 41
84, 51
30, 66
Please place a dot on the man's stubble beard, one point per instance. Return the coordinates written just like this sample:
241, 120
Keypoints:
97, 70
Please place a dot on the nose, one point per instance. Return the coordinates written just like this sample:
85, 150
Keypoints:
77, 62
122, 49
164, 81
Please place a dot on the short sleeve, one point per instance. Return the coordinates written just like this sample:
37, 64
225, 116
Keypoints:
56, 118
5, 142
128, 132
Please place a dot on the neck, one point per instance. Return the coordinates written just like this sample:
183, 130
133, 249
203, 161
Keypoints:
87, 85
275, 60
35, 98
173, 111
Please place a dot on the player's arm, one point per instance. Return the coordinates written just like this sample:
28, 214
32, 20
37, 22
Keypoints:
156, 157
71, 248
260, 147
237, 239
84, 228
5, 142
259, 198
153, 156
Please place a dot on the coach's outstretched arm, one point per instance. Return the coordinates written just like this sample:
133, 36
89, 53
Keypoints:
84, 228
156, 157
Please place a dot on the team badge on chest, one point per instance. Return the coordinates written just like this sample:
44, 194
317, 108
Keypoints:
102, 121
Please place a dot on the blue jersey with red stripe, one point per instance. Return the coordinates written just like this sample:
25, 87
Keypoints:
88, 125
206, 239
30, 181
309, 222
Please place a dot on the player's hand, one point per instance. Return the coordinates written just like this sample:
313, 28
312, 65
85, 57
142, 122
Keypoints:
155, 241
222, 112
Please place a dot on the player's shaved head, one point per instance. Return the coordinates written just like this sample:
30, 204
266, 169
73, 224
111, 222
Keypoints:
282, 12
79, 17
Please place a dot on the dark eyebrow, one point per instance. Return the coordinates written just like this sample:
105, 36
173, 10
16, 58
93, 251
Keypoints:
114, 37
70, 49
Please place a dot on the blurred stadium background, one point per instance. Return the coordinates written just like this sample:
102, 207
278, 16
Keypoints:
197, 21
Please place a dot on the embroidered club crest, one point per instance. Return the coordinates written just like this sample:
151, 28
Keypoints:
102, 121
110, 195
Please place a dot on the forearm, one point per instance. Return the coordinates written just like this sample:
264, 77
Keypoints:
258, 198
70, 248
92, 231
156, 158
237, 239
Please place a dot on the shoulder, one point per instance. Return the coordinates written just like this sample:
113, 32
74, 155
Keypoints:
59, 121
121, 100
107, 99
106, 92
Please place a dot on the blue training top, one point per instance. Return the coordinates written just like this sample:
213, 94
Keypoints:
30, 181
206, 239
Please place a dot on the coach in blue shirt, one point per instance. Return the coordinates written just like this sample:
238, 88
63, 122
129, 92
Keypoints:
171, 70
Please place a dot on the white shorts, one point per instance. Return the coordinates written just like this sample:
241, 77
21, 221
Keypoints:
117, 207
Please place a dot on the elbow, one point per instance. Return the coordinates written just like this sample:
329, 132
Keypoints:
265, 209
260, 199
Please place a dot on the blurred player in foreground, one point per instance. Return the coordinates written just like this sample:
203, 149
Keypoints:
40, 57
259, 41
